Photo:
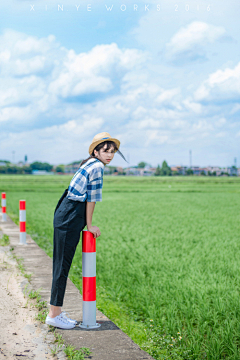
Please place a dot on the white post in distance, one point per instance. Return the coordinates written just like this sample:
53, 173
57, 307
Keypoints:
4, 207
22, 221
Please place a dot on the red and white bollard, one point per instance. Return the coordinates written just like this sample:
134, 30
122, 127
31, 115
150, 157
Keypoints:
4, 207
89, 281
22, 221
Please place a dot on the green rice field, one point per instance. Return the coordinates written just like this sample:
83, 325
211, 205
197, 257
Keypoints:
168, 258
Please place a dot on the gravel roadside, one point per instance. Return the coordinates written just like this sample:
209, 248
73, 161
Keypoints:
21, 336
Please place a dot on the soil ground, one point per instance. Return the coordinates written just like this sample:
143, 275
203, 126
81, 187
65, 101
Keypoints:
21, 336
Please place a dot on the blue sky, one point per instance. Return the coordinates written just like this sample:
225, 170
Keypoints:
163, 77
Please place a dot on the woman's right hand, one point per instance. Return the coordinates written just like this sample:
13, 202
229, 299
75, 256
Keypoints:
95, 231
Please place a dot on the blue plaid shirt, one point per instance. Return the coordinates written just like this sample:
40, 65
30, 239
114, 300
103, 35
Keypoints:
87, 182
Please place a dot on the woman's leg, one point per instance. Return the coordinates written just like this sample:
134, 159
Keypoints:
54, 311
64, 249
66, 237
58, 253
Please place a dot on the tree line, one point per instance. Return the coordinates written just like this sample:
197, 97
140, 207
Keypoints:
164, 170
9, 168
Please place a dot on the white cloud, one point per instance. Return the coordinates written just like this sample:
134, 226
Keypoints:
220, 122
197, 33
221, 134
150, 123
37, 73
53, 143
29, 66
156, 137
140, 112
4, 56
235, 108
168, 95
193, 106
203, 126
22, 114
220, 85
37, 111
68, 85
93, 71
22, 54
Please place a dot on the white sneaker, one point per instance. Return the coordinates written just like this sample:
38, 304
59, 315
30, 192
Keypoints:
60, 321
65, 314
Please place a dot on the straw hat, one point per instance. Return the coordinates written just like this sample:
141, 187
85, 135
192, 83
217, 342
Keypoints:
101, 137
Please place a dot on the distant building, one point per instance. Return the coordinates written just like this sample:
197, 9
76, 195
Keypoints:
134, 170
214, 169
42, 172
231, 171
2, 163
71, 169
114, 171
119, 169
181, 170
147, 171
106, 171
198, 170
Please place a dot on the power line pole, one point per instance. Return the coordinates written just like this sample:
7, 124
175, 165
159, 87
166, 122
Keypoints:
190, 158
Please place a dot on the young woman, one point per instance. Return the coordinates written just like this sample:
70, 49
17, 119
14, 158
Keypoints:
73, 212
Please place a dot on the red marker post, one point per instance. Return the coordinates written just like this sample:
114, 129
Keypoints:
4, 207
89, 281
22, 221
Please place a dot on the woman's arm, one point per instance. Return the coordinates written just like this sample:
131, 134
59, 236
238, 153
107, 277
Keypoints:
89, 213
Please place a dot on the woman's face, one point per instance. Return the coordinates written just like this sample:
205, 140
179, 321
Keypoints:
105, 156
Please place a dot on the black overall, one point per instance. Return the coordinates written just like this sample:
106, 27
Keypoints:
69, 221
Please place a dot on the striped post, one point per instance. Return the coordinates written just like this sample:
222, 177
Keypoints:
22, 221
89, 281
4, 207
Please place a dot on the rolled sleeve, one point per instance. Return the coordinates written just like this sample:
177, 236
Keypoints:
94, 187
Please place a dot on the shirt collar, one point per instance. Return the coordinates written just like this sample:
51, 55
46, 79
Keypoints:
95, 159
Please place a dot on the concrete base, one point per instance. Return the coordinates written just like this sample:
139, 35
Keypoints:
89, 327
22, 238
4, 217
89, 314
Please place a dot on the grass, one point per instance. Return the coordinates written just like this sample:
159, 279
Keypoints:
4, 240
168, 253
60, 342
74, 354
21, 267
32, 294
40, 305
71, 352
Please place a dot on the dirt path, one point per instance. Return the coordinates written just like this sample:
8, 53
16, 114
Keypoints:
21, 336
